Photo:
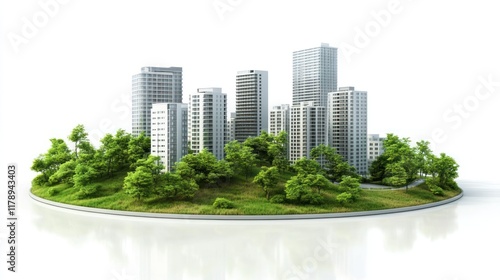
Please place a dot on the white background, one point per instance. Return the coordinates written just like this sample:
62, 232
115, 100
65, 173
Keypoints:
75, 65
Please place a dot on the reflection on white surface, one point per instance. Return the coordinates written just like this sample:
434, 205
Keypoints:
455, 241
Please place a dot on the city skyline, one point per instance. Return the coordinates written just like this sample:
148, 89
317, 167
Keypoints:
72, 70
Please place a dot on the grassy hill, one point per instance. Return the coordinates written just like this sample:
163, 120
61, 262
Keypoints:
248, 199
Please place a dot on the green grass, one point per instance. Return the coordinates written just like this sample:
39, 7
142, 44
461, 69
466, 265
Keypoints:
248, 199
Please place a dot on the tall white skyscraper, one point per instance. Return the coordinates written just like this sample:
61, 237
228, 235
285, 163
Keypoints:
307, 129
251, 104
169, 135
314, 74
208, 121
279, 119
347, 121
153, 85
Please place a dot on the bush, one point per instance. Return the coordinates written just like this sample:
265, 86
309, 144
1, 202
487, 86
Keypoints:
223, 203
345, 197
313, 198
279, 198
52, 191
40, 180
88, 191
436, 190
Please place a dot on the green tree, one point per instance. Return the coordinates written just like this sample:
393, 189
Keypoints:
139, 184
278, 151
139, 147
335, 167
377, 168
240, 157
175, 186
204, 167
260, 146
445, 169
154, 166
295, 189
395, 175
48, 163
64, 174
113, 152
267, 179
305, 166
423, 157
350, 188
78, 136
84, 175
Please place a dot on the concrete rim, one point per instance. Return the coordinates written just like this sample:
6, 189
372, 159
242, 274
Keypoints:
244, 217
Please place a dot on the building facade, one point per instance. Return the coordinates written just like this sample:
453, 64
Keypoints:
169, 135
230, 131
347, 126
251, 104
375, 148
208, 121
279, 119
307, 129
314, 74
153, 85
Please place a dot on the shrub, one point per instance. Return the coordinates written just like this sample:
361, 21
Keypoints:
223, 203
40, 180
88, 191
345, 197
52, 191
279, 198
436, 190
313, 198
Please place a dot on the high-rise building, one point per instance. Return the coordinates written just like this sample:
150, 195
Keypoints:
279, 119
208, 121
169, 134
314, 74
347, 125
375, 148
230, 132
307, 129
153, 85
251, 104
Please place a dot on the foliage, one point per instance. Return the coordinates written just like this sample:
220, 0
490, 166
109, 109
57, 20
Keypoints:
267, 179
138, 148
204, 168
279, 198
395, 175
64, 174
175, 186
223, 203
79, 137
278, 151
240, 158
139, 184
334, 165
306, 166
345, 197
259, 146
52, 191
294, 189
48, 163
351, 186
313, 198
445, 169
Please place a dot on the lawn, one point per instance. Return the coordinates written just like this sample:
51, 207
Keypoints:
248, 199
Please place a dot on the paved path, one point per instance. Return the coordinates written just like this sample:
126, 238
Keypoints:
374, 186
